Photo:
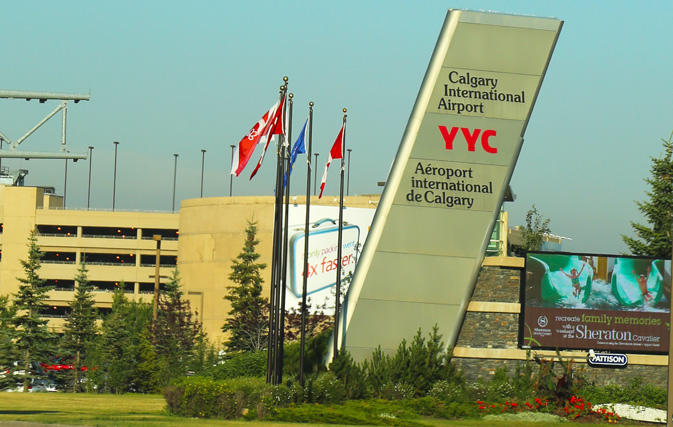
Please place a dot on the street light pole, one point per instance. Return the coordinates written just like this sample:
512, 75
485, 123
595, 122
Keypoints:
315, 174
65, 183
88, 195
231, 176
348, 179
203, 160
157, 264
114, 179
175, 175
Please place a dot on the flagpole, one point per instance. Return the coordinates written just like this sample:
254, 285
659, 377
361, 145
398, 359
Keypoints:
304, 287
272, 346
337, 305
278, 248
283, 282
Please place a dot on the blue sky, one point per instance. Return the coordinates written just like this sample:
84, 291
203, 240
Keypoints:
178, 77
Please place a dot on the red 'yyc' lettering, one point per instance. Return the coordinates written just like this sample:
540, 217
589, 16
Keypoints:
470, 137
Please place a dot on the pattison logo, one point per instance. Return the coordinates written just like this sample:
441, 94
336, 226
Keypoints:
471, 137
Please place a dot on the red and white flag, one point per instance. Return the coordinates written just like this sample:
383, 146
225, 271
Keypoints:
275, 128
246, 147
335, 153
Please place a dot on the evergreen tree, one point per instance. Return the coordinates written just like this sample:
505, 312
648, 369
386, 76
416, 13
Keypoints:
80, 326
176, 331
146, 372
32, 338
7, 349
248, 322
121, 354
534, 231
654, 238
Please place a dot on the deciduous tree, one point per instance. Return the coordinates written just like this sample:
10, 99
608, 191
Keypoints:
533, 233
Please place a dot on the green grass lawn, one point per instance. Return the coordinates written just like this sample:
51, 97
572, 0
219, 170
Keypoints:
141, 410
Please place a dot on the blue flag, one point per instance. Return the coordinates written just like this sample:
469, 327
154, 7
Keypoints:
298, 148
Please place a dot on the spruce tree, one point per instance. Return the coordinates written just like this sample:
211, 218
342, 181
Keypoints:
653, 239
248, 323
7, 349
32, 338
80, 325
121, 354
176, 331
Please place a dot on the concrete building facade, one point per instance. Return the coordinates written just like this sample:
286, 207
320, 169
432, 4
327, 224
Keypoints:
204, 238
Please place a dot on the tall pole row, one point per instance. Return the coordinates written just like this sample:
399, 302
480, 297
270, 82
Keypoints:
283, 267
114, 178
203, 163
304, 288
274, 294
337, 305
88, 194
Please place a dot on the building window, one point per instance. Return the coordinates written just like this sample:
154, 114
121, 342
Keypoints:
55, 311
165, 233
93, 258
169, 261
103, 311
58, 258
102, 286
110, 232
148, 288
57, 230
61, 285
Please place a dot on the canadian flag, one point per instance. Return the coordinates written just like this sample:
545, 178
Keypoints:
335, 153
243, 151
275, 128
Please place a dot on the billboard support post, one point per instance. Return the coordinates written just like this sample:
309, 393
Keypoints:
669, 406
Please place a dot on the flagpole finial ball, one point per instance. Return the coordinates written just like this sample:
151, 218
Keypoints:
285, 79
310, 104
283, 87
344, 110
291, 95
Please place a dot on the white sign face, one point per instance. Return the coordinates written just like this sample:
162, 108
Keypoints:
614, 360
322, 256
448, 180
322, 259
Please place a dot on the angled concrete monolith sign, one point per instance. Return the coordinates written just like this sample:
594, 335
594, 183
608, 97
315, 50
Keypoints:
448, 180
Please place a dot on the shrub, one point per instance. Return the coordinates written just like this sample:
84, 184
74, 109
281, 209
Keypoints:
417, 365
247, 364
396, 391
523, 386
327, 388
204, 397
637, 392
499, 387
351, 375
448, 392
315, 350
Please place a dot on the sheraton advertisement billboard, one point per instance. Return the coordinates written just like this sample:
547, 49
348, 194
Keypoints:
579, 301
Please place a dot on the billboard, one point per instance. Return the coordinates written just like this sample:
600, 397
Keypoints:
322, 252
611, 303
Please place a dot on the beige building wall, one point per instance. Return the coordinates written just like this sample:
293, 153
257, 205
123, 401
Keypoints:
22, 209
211, 234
